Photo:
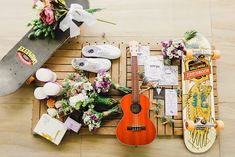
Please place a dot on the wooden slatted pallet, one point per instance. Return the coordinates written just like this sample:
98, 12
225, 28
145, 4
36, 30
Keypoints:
60, 63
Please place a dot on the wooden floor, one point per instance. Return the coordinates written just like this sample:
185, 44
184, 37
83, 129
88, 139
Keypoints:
136, 19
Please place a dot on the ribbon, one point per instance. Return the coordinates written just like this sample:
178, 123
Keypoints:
76, 13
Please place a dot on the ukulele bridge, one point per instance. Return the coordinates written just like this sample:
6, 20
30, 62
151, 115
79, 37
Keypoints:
136, 128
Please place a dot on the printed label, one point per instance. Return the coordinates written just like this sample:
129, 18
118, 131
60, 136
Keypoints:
196, 73
26, 56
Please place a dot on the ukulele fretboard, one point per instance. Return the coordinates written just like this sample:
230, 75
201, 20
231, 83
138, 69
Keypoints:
135, 80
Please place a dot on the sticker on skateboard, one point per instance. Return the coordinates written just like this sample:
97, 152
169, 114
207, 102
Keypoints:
26, 56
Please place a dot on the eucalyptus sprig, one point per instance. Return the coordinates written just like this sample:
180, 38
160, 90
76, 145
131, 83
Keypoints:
189, 35
166, 120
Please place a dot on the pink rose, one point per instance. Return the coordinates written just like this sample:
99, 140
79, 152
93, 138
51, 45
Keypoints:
47, 15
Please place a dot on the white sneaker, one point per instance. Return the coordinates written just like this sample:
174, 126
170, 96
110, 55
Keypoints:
46, 75
101, 51
91, 64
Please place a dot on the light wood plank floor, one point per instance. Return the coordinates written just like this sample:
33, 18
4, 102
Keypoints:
136, 19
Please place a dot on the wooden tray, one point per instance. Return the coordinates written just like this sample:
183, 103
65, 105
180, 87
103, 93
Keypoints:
60, 62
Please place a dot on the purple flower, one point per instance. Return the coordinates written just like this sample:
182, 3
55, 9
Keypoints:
102, 82
171, 48
170, 42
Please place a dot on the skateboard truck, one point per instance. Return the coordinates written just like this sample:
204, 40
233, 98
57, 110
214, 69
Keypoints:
201, 123
202, 52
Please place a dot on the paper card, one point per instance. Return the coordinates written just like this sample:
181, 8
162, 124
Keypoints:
51, 129
72, 124
171, 105
143, 54
153, 68
169, 76
159, 93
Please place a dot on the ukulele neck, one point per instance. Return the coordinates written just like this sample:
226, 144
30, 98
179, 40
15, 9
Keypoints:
135, 80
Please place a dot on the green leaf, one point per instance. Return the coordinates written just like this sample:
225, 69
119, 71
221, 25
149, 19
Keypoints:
189, 35
52, 35
35, 28
94, 10
46, 34
29, 24
49, 29
104, 101
38, 33
31, 36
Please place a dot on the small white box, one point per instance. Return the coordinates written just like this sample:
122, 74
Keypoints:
51, 129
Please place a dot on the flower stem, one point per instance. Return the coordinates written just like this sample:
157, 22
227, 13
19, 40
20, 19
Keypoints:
124, 90
106, 21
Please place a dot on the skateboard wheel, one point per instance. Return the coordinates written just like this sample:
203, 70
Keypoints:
190, 125
189, 53
45, 75
219, 125
52, 89
216, 54
39, 94
30, 80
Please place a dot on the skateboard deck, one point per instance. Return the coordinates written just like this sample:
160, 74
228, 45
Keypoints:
198, 101
27, 56
198, 95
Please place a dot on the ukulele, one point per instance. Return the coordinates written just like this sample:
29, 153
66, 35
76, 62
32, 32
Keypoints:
135, 128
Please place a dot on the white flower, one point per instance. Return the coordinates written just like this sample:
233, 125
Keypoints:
77, 98
87, 86
58, 104
52, 112
39, 5
78, 84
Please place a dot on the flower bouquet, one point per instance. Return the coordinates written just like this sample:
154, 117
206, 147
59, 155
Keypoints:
77, 93
93, 119
55, 14
103, 83
79, 96
173, 51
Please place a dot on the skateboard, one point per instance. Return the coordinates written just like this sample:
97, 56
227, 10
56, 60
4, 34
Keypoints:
199, 123
27, 56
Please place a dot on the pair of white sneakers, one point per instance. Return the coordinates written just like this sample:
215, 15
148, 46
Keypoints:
100, 55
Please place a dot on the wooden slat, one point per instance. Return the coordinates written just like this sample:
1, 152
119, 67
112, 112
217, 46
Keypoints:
178, 131
36, 114
115, 69
152, 108
43, 107
59, 60
71, 44
160, 127
178, 124
67, 53
122, 72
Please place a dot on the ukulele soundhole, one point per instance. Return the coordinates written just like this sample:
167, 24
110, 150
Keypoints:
135, 108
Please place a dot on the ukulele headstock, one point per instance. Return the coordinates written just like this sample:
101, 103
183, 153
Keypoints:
134, 47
